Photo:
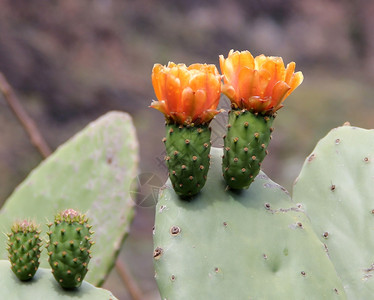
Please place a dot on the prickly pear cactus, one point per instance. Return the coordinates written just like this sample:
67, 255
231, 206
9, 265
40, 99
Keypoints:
248, 136
336, 188
24, 249
92, 172
69, 248
250, 244
187, 149
43, 286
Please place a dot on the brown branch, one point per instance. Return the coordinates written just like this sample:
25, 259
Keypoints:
28, 124
129, 282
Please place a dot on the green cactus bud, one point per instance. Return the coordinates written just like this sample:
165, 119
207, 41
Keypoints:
69, 248
24, 249
187, 157
248, 136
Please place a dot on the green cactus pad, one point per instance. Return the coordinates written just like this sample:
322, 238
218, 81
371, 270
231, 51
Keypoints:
336, 188
69, 248
249, 244
92, 172
44, 286
187, 157
245, 144
24, 249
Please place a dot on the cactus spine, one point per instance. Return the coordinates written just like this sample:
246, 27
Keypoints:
69, 248
248, 135
24, 249
187, 157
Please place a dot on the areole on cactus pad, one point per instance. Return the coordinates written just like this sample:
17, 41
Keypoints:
188, 97
256, 88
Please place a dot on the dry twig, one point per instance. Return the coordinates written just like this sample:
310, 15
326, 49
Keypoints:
28, 124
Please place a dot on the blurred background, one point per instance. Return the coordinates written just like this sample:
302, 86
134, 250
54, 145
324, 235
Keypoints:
71, 61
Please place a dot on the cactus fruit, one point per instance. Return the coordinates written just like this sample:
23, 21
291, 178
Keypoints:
24, 249
252, 244
187, 150
248, 135
336, 188
256, 88
188, 97
43, 286
69, 248
92, 172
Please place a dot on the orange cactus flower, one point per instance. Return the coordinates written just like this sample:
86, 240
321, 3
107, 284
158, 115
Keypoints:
257, 84
186, 95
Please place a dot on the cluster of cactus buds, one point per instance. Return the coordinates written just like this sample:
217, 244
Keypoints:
68, 248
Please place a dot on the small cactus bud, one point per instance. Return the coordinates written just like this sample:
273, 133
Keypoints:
24, 249
70, 226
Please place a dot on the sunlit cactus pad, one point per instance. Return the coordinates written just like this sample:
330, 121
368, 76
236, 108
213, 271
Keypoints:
336, 187
252, 244
92, 173
44, 286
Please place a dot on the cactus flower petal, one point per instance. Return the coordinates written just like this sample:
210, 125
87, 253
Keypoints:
259, 84
186, 94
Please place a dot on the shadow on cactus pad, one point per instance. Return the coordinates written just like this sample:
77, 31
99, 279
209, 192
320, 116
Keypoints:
44, 286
